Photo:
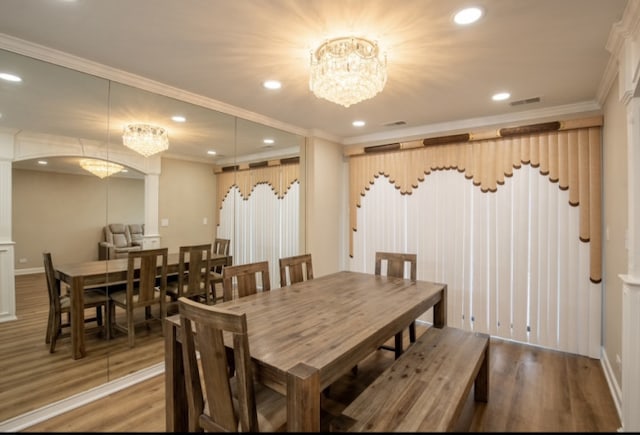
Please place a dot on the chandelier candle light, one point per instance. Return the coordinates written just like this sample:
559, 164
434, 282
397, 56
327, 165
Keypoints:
347, 70
100, 168
145, 139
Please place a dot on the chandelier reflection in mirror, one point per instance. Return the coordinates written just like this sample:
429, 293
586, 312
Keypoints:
100, 168
347, 70
145, 139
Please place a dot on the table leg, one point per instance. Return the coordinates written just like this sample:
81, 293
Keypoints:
303, 399
77, 317
176, 407
440, 310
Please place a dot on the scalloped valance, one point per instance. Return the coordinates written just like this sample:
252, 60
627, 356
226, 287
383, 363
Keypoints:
279, 177
571, 158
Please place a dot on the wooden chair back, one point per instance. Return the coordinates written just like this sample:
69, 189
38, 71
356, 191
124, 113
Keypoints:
53, 287
395, 267
146, 287
209, 323
396, 264
300, 269
220, 247
141, 286
246, 277
194, 271
92, 299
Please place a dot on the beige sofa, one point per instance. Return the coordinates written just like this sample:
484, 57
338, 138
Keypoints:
119, 240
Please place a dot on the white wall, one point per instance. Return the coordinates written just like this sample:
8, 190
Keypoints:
326, 188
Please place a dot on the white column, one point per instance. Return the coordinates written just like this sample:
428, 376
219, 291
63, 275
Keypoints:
630, 354
151, 202
7, 281
631, 281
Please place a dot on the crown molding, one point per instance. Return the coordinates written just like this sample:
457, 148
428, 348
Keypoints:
555, 113
67, 60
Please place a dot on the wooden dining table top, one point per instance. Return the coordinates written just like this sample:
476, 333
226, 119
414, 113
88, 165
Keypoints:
87, 274
328, 323
101, 268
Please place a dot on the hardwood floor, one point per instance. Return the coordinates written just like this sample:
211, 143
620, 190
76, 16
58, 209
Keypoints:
32, 377
531, 389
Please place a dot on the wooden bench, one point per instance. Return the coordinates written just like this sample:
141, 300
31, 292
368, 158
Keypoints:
425, 389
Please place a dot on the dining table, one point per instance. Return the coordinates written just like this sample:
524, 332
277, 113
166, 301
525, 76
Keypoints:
104, 273
305, 336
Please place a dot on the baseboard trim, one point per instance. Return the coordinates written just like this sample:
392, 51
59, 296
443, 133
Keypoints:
614, 387
30, 418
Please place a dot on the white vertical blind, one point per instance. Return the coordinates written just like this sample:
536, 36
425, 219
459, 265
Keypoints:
261, 227
512, 259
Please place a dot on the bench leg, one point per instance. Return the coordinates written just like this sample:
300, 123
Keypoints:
481, 384
412, 332
398, 344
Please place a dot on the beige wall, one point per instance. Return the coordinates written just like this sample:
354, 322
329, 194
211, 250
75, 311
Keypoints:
65, 214
615, 224
326, 188
187, 196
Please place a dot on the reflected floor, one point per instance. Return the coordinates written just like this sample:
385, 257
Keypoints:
32, 377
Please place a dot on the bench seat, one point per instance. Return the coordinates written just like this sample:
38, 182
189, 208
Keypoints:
425, 389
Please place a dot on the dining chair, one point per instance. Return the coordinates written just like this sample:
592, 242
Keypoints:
219, 401
395, 263
299, 268
220, 247
245, 278
144, 269
60, 305
194, 265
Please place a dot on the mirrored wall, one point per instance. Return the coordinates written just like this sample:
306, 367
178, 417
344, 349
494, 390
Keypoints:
221, 176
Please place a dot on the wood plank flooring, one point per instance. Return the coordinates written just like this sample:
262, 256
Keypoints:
531, 389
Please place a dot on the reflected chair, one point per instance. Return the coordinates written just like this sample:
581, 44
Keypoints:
299, 268
220, 247
60, 304
244, 279
218, 401
395, 263
193, 274
141, 291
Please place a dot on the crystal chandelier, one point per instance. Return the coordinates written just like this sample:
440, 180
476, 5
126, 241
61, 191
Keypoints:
145, 139
100, 168
347, 70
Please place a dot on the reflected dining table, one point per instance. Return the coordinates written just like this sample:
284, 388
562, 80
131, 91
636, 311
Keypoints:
101, 273
305, 336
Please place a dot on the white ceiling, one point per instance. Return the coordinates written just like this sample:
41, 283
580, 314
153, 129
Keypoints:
439, 74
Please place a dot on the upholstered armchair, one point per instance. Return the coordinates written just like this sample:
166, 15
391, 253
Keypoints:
119, 241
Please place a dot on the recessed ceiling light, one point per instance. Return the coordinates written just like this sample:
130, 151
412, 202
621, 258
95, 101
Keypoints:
467, 16
42, 162
10, 77
211, 152
178, 118
358, 123
272, 84
268, 141
501, 96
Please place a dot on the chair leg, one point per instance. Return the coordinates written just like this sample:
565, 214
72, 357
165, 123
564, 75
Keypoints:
99, 315
130, 327
55, 331
49, 327
412, 332
111, 307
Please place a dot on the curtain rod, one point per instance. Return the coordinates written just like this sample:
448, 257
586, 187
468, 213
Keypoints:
480, 135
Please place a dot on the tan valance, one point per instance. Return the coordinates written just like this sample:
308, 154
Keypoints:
572, 158
280, 178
